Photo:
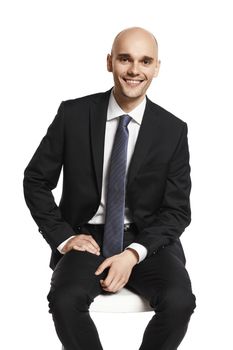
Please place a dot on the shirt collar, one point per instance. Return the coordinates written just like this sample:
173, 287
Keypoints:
114, 110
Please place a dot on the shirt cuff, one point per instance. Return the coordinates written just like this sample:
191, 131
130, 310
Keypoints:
140, 249
60, 247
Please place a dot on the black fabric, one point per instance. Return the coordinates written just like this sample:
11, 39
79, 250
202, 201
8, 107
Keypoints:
158, 181
162, 279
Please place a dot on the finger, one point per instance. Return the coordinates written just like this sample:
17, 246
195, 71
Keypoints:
86, 248
105, 284
81, 241
108, 280
88, 238
90, 248
93, 242
106, 263
111, 279
75, 247
118, 285
114, 286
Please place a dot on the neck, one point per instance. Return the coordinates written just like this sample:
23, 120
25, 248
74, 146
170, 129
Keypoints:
127, 103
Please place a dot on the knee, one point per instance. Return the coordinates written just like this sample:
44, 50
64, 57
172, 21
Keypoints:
64, 299
178, 303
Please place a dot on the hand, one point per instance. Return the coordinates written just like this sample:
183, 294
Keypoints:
82, 242
120, 266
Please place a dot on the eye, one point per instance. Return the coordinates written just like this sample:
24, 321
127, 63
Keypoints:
124, 59
146, 62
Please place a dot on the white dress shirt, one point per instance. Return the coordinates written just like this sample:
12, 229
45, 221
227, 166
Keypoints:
113, 114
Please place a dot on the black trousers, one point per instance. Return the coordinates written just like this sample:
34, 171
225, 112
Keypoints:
162, 279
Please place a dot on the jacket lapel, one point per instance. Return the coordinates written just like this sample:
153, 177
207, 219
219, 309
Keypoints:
147, 135
98, 116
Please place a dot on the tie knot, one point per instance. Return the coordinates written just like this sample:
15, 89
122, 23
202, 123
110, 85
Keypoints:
125, 119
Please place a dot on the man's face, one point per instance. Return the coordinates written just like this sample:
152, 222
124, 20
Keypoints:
134, 64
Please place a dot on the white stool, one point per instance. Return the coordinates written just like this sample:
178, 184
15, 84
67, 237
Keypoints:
123, 301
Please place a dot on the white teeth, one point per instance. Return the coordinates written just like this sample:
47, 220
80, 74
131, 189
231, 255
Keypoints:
133, 81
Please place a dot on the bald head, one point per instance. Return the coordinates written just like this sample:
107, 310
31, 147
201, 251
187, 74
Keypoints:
135, 35
134, 64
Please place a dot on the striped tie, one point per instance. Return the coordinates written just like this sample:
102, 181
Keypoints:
115, 203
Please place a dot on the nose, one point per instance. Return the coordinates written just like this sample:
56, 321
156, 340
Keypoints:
133, 69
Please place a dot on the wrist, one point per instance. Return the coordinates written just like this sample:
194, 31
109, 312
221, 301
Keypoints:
132, 254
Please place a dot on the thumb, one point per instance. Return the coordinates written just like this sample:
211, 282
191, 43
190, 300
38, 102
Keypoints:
102, 267
99, 270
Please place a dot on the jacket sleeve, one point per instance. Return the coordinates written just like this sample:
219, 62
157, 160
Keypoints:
174, 214
41, 177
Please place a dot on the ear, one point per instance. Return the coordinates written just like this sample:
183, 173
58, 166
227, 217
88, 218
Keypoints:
109, 63
157, 67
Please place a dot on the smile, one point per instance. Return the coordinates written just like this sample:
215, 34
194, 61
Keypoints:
132, 82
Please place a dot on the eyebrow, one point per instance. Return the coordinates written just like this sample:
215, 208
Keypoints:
127, 55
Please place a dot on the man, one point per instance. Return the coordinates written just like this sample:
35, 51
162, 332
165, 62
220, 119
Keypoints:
125, 201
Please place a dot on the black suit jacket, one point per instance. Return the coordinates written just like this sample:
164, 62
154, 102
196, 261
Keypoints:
158, 185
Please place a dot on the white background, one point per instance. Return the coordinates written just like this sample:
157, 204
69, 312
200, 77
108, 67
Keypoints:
56, 50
